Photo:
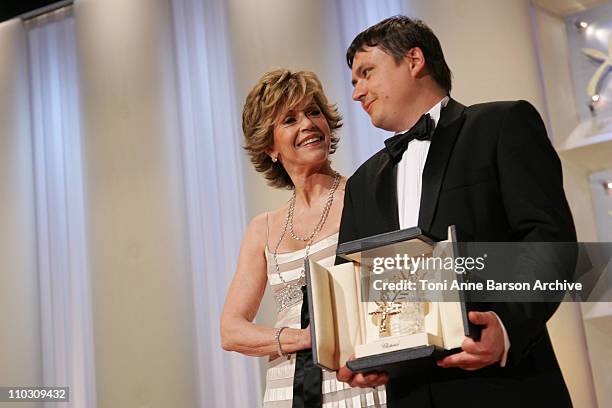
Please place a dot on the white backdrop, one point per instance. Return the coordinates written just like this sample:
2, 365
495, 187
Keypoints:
165, 183
65, 296
210, 138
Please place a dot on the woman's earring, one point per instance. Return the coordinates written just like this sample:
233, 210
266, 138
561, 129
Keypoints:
274, 159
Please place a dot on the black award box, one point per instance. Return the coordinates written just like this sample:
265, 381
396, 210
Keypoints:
391, 330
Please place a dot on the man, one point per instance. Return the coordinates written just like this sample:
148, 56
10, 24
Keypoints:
489, 169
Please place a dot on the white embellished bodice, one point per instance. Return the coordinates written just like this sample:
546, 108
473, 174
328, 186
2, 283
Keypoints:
279, 377
291, 265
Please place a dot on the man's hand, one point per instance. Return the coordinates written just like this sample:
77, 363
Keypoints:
367, 380
477, 354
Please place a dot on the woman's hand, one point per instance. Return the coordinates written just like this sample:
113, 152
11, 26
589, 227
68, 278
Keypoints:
304, 340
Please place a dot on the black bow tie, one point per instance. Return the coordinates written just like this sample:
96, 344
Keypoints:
422, 130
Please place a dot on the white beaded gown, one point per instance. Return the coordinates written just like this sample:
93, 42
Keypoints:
279, 378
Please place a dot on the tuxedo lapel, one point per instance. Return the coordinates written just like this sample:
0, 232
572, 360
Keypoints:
386, 196
442, 143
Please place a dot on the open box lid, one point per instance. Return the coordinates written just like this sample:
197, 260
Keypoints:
394, 241
412, 240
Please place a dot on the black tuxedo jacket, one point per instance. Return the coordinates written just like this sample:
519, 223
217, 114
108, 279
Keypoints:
491, 171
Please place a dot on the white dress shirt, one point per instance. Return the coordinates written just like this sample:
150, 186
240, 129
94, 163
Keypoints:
409, 187
410, 174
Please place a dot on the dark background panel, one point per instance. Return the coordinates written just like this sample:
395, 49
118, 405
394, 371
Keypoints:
13, 8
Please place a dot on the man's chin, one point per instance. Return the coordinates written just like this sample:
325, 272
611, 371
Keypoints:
376, 121
380, 124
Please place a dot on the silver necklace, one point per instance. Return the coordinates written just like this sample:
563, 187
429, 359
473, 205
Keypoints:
292, 292
322, 218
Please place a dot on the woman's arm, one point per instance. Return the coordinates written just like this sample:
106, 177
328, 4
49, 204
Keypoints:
238, 332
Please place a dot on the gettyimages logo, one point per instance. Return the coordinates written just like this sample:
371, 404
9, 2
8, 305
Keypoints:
411, 264
492, 272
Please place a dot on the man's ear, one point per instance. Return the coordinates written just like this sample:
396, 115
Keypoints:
416, 61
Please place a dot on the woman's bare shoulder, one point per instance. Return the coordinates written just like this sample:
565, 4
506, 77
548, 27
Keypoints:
277, 216
259, 227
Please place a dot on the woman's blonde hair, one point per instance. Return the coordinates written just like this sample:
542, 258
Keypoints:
276, 92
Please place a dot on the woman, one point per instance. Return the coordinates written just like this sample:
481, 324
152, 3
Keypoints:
289, 129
